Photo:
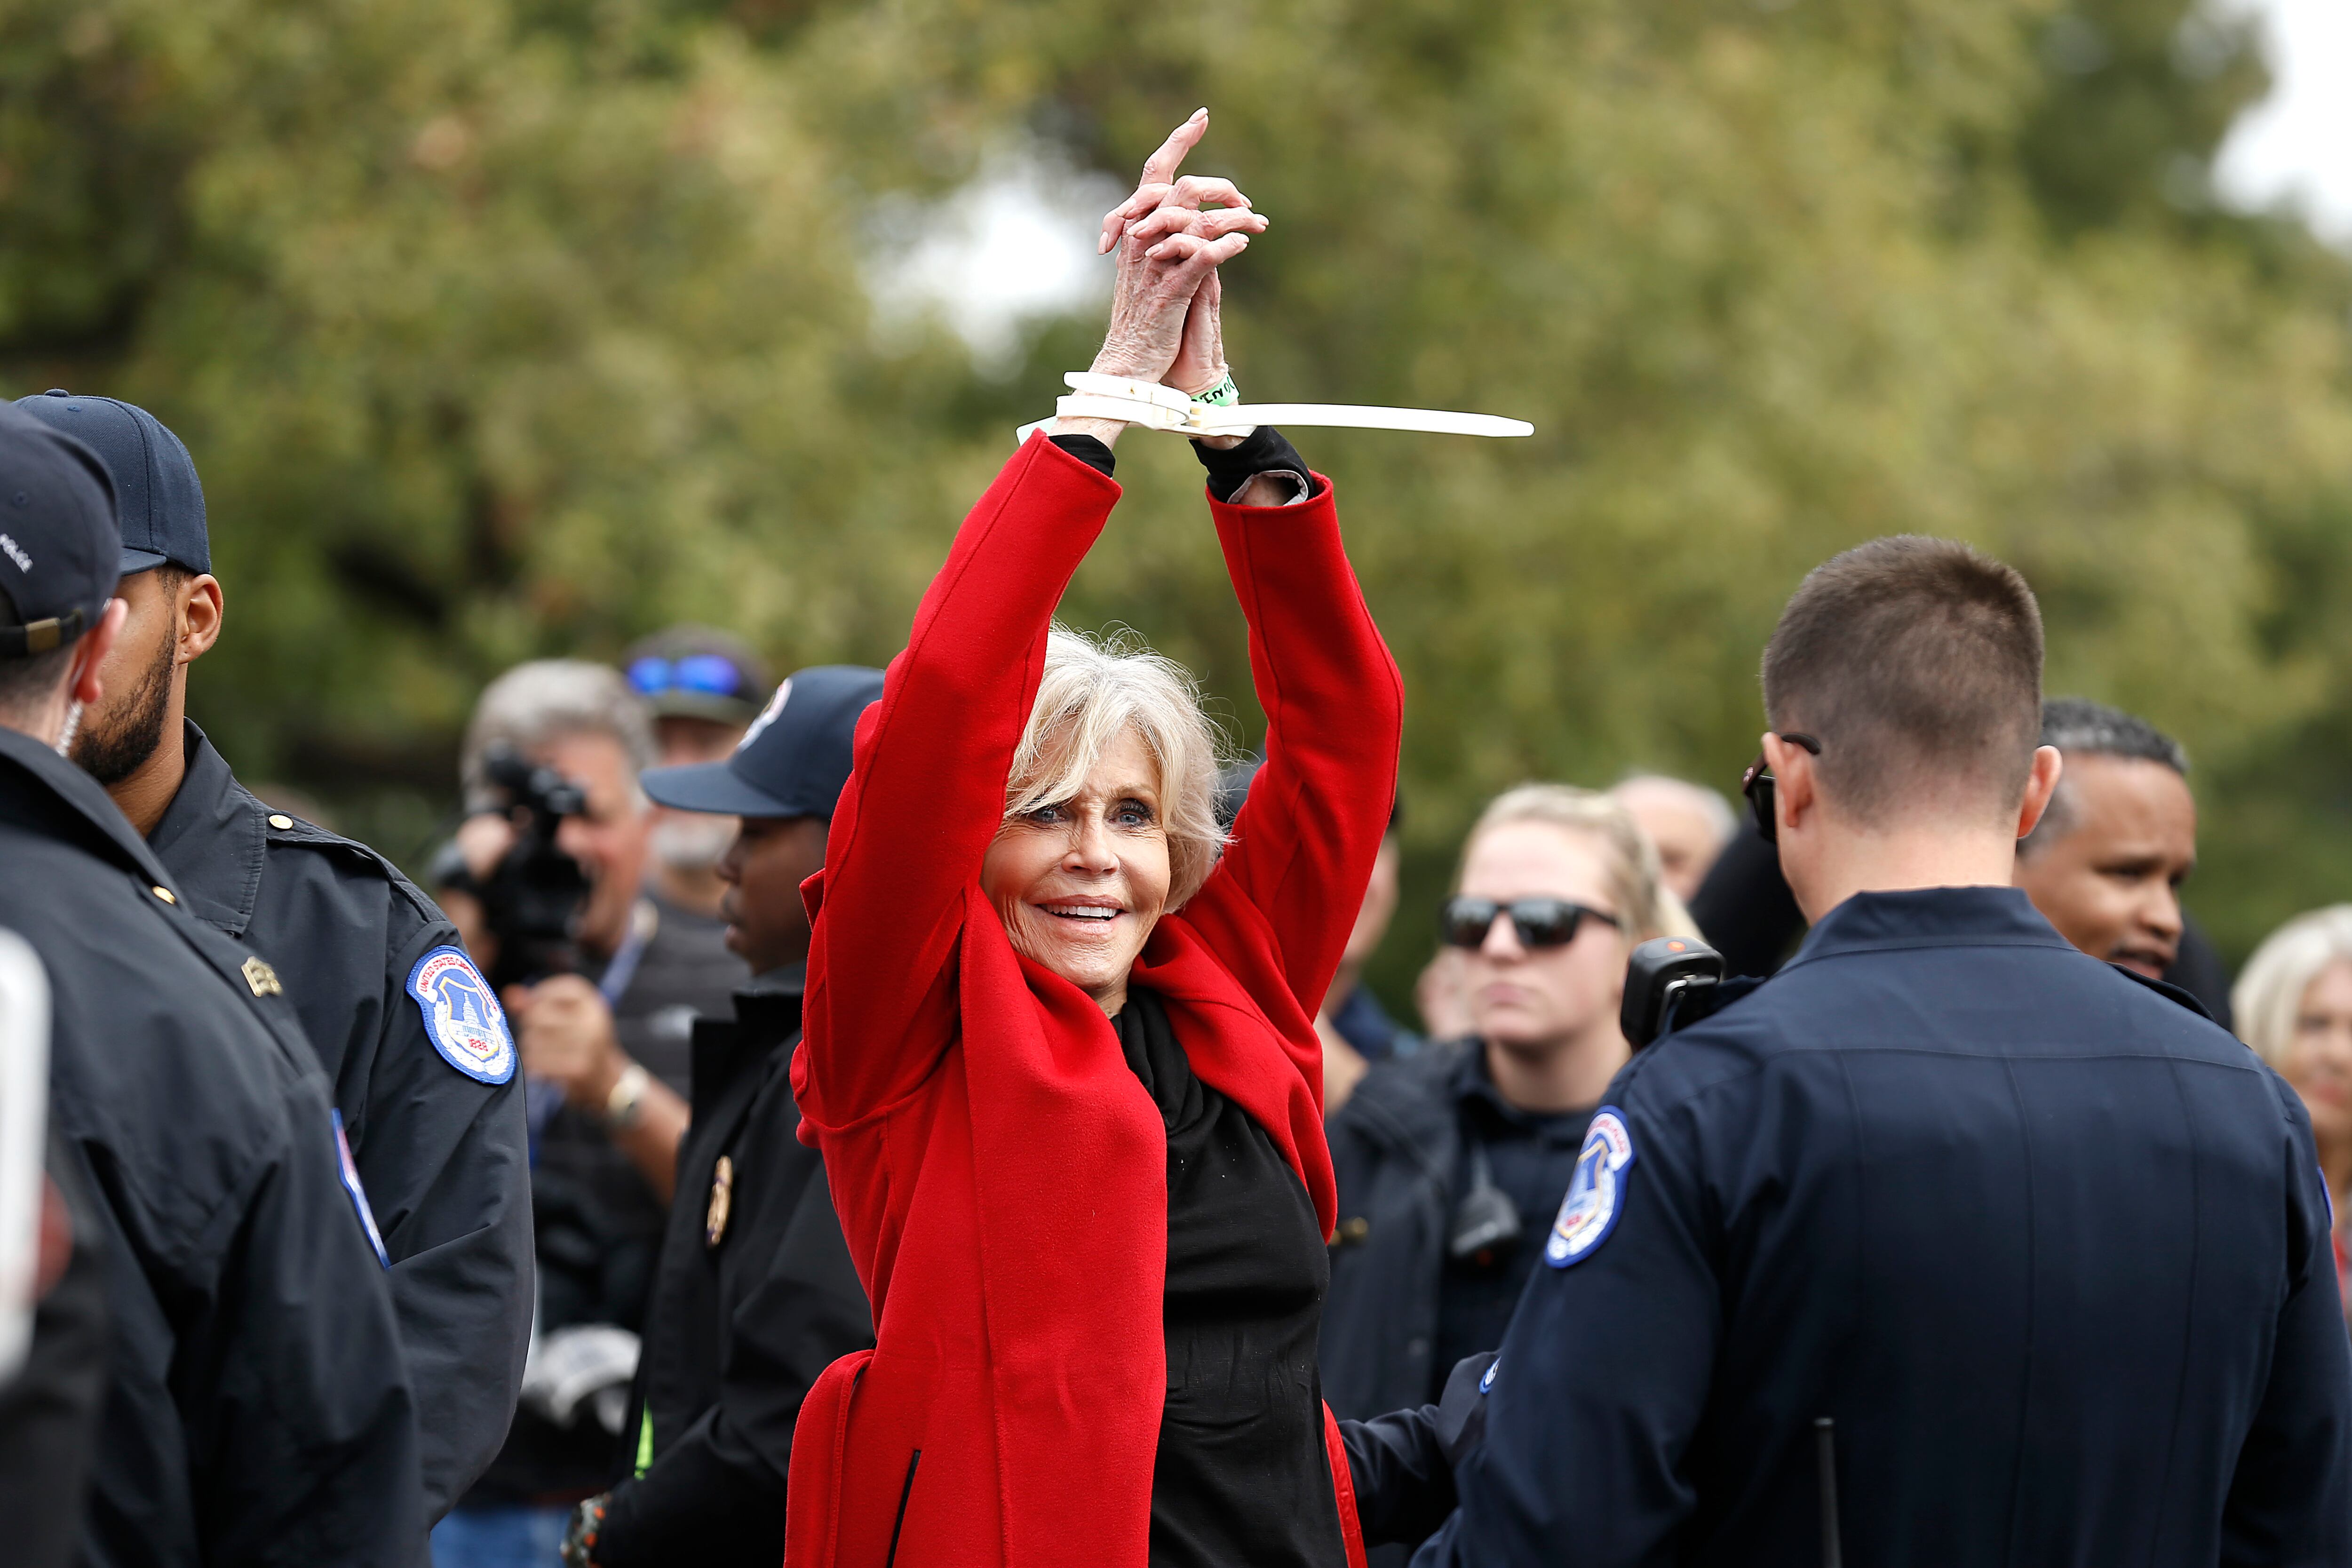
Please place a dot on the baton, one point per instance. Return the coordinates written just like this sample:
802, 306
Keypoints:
1825, 1460
1157, 408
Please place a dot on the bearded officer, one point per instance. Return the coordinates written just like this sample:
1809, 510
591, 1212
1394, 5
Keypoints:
413, 1042
756, 1293
256, 1410
2047, 1250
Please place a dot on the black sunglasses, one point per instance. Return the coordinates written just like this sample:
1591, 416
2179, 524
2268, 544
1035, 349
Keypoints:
1540, 923
1757, 786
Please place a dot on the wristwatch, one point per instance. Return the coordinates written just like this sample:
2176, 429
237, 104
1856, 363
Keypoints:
580, 1538
627, 1101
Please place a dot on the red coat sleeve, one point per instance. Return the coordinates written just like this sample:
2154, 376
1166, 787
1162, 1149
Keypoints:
926, 792
1305, 840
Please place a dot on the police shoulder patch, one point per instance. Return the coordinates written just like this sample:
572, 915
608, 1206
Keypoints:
1595, 1193
462, 1017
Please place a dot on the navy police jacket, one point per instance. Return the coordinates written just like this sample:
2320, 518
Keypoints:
432, 1107
755, 1297
2049, 1247
258, 1409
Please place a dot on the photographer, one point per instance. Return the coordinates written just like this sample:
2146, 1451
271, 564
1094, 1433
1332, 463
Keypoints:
602, 979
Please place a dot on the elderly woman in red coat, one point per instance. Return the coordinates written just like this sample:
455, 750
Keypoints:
1061, 1053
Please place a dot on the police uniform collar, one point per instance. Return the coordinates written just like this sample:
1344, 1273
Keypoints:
1927, 917
53, 776
1473, 1081
213, 830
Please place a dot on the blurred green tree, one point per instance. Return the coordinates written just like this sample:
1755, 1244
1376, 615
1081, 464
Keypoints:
524, 325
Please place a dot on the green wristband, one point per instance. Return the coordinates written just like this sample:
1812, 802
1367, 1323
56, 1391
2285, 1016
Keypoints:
1225, 395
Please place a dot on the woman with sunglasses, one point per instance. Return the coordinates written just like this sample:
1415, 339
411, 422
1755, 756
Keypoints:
1060, 1054
1452, 1162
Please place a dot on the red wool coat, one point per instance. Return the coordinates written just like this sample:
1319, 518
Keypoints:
1001, 1173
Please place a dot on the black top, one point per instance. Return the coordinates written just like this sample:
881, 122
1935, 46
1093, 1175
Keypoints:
1530, 1157
2049, 1247
258, 1409
739, 1326
1241, 1475
441, 1154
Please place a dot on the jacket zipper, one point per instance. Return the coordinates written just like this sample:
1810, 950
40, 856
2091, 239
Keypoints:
905, 1490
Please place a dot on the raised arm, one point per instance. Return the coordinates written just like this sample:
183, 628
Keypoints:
926, 794
927, 790
1305, 840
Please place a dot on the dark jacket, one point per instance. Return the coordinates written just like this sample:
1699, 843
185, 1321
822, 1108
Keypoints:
258, 1409
1407, 1150
2050, 1249
50, 1410
442, 1152
756, 1296
1396, 1147
599, 1223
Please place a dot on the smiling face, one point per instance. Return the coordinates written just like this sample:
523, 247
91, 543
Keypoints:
1080, 884
2111, 883
1537, 1000
2319, 1056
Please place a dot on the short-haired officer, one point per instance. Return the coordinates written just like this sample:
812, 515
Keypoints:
756, 1294
2047, 1248
257, 1410
411, 1041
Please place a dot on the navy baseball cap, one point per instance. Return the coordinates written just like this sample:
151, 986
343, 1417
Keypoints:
792, 762
58, 546
159, 503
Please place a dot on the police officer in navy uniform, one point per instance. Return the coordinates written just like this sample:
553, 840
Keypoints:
2047, 1249
756, 1293
418, 1054
258, 1409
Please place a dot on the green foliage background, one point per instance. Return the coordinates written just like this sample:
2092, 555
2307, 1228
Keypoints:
502, 328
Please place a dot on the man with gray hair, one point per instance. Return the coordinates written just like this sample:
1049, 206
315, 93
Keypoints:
2106, 863
603, 1028
1688, 822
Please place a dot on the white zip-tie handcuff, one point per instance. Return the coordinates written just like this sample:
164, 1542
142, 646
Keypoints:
1156, 407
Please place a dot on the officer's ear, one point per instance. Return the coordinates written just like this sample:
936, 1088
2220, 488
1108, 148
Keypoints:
2040, 784
1796, 792
82, 684
198, 617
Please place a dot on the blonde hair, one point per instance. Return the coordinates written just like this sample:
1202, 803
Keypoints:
2269, 993
1092, 693
1644, 903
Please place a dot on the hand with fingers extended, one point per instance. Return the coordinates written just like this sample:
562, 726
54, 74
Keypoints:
1171, 236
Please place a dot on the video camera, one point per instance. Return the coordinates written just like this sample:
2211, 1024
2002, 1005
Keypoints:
531, 900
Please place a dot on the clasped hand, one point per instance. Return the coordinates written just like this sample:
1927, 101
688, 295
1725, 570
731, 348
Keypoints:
1164, 319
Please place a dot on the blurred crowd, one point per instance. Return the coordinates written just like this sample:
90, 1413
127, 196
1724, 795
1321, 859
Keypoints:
509, 1207
1455, 1135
